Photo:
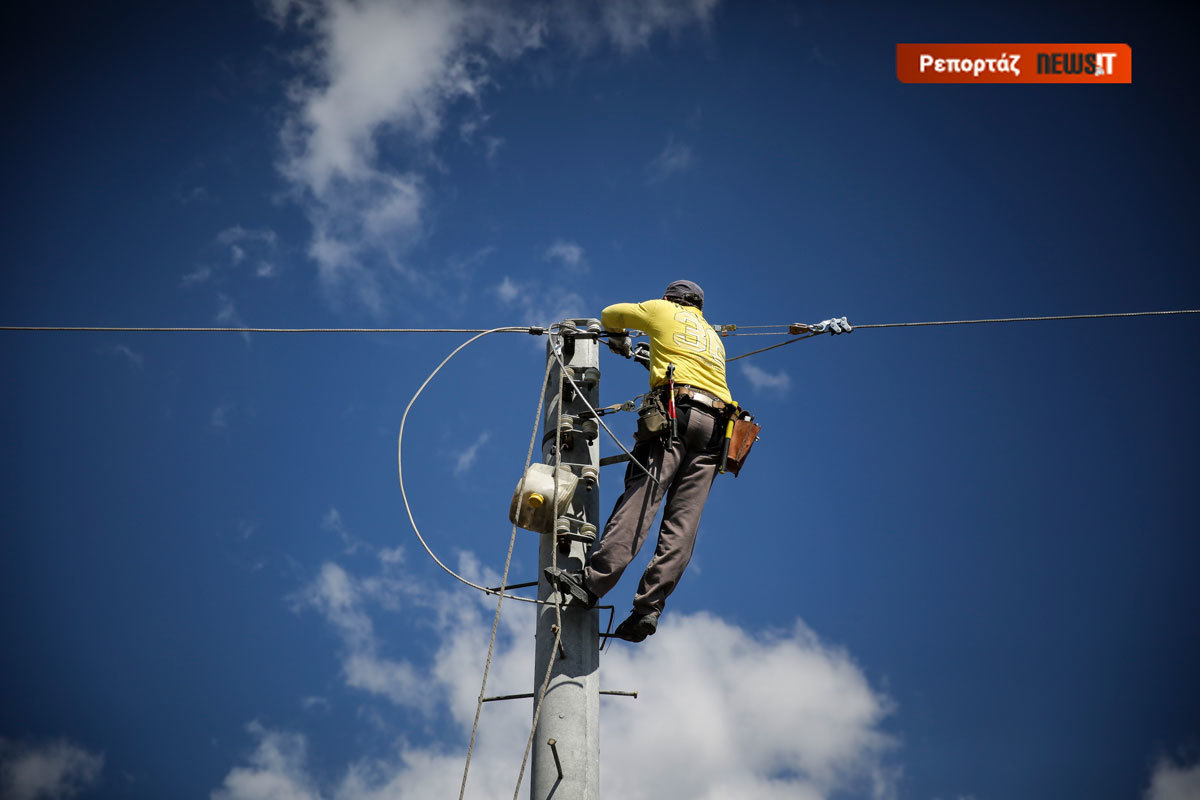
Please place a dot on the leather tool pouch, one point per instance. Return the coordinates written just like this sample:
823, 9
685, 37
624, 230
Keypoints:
652, 418
745, 434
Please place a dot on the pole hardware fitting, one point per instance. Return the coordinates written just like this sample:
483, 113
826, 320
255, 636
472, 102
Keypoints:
508, 587
575, 530
797, 328
724, 329
590, 476
565, 433
586, 376
554, 750
536, 330
568, 390
531, 695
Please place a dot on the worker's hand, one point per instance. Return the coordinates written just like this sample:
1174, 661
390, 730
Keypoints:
619, 344
641, 354
835, 326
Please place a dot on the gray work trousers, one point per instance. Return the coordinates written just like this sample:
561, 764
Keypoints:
685, 473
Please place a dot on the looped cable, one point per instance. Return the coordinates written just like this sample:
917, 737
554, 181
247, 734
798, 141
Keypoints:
400, 471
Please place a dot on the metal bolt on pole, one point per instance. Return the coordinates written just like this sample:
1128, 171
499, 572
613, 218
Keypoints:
569, 769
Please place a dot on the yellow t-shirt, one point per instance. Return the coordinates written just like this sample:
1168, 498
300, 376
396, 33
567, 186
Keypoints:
679, 335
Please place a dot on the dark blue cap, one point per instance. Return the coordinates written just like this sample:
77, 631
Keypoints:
682, 289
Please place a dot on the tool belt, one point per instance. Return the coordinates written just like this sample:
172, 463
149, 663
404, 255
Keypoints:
699, 397
741, 431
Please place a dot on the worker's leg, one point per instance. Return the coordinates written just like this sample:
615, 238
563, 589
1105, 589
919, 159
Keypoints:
685, 502
626, 530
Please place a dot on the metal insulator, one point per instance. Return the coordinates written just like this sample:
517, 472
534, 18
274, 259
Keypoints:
590, 429
587, 532
594, 327
566, 424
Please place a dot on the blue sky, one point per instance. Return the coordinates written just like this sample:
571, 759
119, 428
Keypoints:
960, 565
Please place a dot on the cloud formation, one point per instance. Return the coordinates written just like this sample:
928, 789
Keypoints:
760, 379
674, 159
725, 712
134, 358
379, 72
540, 303
51, 771
340, 599
1173, 781
466, 459
567, 254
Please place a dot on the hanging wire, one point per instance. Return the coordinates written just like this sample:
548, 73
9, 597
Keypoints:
400, 471
558, 626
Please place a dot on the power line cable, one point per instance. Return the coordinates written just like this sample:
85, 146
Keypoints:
971, 322
534, 329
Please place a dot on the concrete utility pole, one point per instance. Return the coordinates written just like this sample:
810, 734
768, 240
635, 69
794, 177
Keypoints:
566, 744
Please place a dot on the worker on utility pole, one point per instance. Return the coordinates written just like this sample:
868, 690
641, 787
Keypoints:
681, 428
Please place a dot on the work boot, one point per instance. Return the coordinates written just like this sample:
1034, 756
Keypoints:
571, 584
636, 627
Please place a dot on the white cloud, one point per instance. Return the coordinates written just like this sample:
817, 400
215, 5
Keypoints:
569, 254
394, 555
632, 23
315, 703
135, 359
675, 158
507, 290
52, 771
389, 70
761, 379
219, 418
466, 459
200, 274
541, 304
276, 771
1172, 781
227, 316
340, 599
332, 522
722, 712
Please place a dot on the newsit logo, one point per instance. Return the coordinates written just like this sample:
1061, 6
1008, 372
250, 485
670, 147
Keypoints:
1098, 64
1014, 63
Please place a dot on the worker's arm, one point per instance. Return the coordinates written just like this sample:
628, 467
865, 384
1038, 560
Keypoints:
619, 316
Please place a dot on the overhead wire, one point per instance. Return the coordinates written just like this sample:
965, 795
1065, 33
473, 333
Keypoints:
131, 329
957, 322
